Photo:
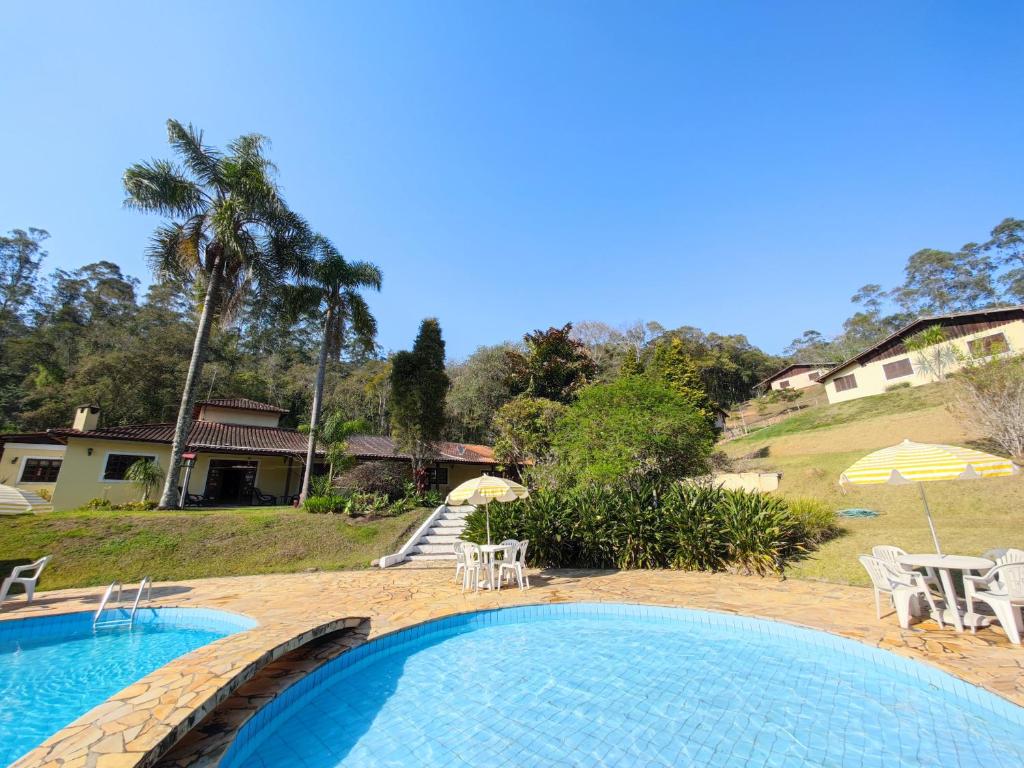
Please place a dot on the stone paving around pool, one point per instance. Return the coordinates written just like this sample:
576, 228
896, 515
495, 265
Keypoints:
141, 724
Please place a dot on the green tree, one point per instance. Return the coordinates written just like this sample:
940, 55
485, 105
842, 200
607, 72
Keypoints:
636, 427
938, 282
480, 386
144, 474
418, 388
1006, 244
673, 366
556, 366
525, 427
327, 292
21, 255
933, 352
228, 230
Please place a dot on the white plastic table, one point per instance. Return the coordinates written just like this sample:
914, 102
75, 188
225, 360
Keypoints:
488, 551
945, 565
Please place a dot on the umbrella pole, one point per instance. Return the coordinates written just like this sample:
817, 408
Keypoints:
487, 509
931, 523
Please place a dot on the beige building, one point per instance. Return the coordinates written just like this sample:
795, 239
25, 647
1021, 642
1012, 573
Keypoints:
241, 457
794, 376
970, 336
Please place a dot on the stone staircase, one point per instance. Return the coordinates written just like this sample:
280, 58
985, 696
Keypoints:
436, 542
434, 539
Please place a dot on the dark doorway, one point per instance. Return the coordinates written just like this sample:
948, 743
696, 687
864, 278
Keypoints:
230, 481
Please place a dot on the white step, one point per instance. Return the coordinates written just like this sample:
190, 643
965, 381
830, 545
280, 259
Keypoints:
432, 557
458, 524
432, 549
432, 539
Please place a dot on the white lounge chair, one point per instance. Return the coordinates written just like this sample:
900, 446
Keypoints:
514, 564
474, 566
903, 587
892, 555
1002, 588
27, 576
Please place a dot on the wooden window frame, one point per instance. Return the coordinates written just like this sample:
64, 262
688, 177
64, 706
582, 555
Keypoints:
49, 461
785, 384
982, 346
907, 370
434, 474
849, 381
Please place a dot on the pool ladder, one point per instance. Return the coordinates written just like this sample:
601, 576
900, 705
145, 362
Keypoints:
129, 620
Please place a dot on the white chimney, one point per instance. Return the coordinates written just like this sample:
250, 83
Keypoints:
86, 418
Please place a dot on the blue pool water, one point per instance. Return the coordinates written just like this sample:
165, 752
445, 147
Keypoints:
587, 685
53, 670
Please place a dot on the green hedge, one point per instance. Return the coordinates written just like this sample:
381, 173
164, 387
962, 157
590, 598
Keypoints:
689, 526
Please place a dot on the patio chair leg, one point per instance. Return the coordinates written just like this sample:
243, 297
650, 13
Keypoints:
4, 590
878, 605
1009, 617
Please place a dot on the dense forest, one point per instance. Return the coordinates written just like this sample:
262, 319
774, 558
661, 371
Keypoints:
92, 335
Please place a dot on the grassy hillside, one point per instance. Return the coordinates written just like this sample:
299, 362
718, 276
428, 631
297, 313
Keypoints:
96, 547
813, 447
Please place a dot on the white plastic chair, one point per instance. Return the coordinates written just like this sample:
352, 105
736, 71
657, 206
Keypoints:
901, 586
474, 566
891, 555
27, 576
1002, 588
460, 558
514, 564
999, 557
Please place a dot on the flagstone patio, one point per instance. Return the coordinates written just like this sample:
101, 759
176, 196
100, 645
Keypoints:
140, 724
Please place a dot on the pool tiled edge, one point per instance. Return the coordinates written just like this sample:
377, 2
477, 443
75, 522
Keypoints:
290, 607
138, 724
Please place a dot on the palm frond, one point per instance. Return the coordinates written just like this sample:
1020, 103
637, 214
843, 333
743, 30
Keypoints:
202, 160
159, 186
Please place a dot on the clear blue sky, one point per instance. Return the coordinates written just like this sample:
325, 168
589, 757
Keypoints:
738, 166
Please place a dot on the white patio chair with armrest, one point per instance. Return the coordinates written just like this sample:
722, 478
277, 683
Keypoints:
1002, 589
474, 566
901, 586
514, 564
892, 555
999, 557
27, 576
508, 549
460, 558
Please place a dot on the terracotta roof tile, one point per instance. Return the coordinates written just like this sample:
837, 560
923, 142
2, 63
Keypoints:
377, 447
243, 404
204, 436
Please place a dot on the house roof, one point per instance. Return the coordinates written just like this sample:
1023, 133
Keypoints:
241, 404
377, 447
204, 436
893, 343
790, 367
37, 438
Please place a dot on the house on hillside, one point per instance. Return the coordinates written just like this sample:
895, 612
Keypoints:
451, 465
971, 335
240, 456
794, 376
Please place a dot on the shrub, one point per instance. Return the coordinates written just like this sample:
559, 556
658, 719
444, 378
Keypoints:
691, 526
817, 520
385, 477
320, 505
633, 428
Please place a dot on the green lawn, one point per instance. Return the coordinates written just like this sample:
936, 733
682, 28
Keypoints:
813, 447
96, 547
824, 415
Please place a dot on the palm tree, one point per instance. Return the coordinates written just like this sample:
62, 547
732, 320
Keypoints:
328, 292
229, 231
144, 474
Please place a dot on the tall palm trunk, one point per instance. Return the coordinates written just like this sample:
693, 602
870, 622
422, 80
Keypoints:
314, 419
170, 499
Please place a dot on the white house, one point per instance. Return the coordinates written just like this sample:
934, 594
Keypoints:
969, 336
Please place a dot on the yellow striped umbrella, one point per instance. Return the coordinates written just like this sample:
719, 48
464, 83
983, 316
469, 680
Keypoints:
17, 501
484, 490
911, 462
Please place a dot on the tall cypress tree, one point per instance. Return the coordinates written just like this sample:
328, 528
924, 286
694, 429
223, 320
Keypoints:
418, 388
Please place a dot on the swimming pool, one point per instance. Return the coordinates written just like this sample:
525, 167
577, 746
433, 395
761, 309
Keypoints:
55, 669
627, 685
